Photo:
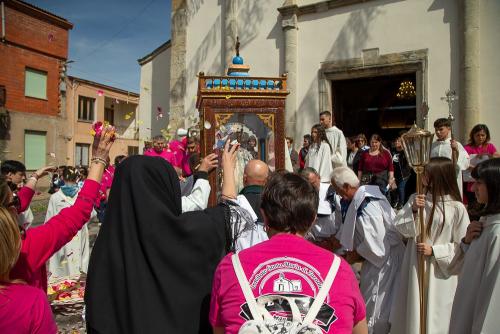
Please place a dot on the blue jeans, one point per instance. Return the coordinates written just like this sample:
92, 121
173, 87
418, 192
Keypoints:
401, 191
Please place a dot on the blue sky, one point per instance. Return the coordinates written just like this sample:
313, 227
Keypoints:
110, 35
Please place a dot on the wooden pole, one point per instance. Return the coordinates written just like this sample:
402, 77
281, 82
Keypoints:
421, 257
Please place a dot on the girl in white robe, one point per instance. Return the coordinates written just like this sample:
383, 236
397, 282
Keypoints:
73, 258
446, 222
476, 307
319, 156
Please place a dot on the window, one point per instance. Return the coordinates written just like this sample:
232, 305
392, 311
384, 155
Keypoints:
82, 154
35, 149
133, 150
35, 84
86, 108
109, 115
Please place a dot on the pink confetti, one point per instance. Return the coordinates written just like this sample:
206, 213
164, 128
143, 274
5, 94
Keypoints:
51, 37
100, 93
117, 101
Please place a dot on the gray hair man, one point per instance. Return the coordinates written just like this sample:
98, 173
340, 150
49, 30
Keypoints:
368, 234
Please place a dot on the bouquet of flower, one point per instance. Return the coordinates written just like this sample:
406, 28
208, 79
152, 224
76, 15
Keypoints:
98, 127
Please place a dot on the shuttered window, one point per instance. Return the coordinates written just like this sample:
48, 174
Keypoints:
35, 149
35, 84
86, 107
82, 154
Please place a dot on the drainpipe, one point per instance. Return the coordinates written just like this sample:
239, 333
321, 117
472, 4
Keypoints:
3, 22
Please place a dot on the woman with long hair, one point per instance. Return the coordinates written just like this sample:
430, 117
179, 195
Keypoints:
479, 149
23, 254
320, 153
23, 309
41, 242
476, 304
446, 221
375, 165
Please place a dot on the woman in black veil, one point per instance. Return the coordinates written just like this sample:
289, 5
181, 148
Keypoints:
151, 267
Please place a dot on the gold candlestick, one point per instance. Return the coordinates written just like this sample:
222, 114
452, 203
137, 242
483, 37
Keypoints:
417, 145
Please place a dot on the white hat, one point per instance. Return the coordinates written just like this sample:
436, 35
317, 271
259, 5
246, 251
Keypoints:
181, 132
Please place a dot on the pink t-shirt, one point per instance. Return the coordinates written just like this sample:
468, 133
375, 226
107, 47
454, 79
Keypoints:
106, 182
169, 156
289, 265
489, 149
25, 310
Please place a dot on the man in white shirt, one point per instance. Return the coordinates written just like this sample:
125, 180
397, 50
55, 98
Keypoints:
445, 146
254, 178
336, 138
198, 197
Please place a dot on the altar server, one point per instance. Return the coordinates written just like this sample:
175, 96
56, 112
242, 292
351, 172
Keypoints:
476, 307
446, 221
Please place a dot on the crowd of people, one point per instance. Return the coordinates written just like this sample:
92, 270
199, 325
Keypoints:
330, 246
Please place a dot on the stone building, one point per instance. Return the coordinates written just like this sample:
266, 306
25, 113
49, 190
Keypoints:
87, 102
33, 54
370, 62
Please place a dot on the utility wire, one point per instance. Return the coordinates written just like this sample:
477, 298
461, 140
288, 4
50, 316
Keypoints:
102, 44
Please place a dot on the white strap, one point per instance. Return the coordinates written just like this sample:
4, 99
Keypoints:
245, 287
323, 292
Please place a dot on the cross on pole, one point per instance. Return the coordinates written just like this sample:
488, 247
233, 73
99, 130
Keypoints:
450, 98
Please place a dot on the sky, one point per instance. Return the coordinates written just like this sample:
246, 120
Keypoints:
110, 35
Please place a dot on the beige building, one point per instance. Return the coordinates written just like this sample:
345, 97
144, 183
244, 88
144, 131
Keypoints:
370, 62
88, 101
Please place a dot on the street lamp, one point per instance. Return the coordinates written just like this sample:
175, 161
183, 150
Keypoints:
417, 145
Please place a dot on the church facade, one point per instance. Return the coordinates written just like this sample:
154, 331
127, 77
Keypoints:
372, 63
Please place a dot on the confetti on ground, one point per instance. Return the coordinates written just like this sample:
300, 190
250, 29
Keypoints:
52, 154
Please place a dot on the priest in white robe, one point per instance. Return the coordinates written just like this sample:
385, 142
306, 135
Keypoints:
448, 227
369, 232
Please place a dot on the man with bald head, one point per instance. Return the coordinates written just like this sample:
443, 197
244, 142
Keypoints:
254, 178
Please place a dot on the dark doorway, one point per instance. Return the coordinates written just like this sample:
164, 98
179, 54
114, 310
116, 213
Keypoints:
385, 105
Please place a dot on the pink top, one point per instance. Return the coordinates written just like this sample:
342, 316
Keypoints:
471, 149
165, 154
106, 182
25, 196
290, 265
25, 310
376, 163
41, 242
489, 149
